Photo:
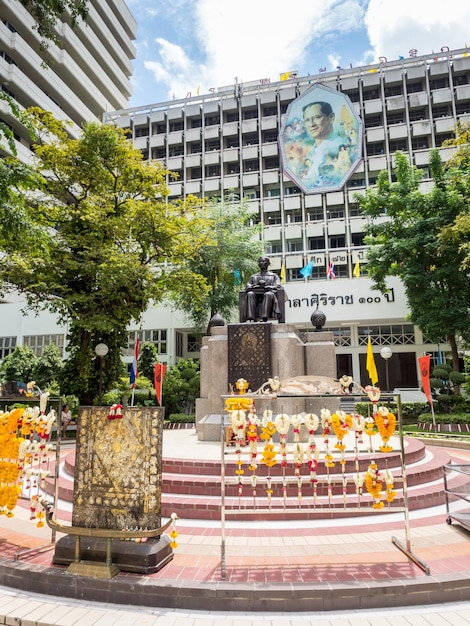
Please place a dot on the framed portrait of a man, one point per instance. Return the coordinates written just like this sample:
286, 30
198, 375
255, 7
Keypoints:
320, 140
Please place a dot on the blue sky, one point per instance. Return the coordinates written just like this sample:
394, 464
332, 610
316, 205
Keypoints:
186, 45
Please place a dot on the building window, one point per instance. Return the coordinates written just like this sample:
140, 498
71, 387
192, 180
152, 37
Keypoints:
179, 344
175, 151
194, 343
212, 145
399, 144
157, 337
414, 87
357, 239
250, 140
232, 168
274, 247
393, 90
395, 118
251, 166
7, 345
337, 241
275, 192
37, 343
212, 120
443, 110
416, 115
439, 83
232, 141
231, 116
295, 246
387, 335
271, 163
419, 143
342, 336
357, 182
195, 147
158, 129
353, 95
212, 170
250, 114
335, 213
195, 122
370, 94
158, 153
372, 121
316, 243
291, 191
374, 149
195, 173
294, 217
176, 125
269, 110
462, 108
273, 220
315, 214
142, 131
270, 136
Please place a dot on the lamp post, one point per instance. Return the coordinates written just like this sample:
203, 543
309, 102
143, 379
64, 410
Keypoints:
101, 351
386, 353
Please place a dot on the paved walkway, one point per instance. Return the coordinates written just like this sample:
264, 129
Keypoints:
336, 552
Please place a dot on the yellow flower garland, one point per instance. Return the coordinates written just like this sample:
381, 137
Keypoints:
386, 423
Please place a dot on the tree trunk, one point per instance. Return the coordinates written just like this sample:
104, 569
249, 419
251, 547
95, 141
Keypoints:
455, 358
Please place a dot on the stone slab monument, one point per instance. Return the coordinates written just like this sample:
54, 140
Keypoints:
117, 486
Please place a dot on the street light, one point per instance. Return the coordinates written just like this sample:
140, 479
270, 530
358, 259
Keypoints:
101, 351
386, 353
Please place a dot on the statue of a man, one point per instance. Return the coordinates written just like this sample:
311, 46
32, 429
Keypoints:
261, 290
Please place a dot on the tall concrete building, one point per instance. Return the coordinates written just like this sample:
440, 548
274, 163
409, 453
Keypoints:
227, 141
89, 75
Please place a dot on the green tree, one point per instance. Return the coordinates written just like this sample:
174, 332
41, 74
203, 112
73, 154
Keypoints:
229, 256
19, 365
48, 367
108, 243
148, 356
46, 14
181, 387
408, 244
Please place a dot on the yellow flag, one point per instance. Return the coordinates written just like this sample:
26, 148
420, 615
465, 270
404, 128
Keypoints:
370, 363
283, 274
357, 269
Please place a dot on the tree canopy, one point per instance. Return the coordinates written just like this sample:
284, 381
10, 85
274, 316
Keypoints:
233, 246
106, 243
46, 14
404, 235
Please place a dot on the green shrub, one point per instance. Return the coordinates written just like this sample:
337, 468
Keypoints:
445, 418
181, 418
410, 411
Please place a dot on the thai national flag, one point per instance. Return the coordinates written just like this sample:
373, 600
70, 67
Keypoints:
331, 271
134, 369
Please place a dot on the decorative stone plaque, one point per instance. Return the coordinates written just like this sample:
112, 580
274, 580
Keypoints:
118, 469
249, 353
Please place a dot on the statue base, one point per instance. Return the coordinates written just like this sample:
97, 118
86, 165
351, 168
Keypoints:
128, 556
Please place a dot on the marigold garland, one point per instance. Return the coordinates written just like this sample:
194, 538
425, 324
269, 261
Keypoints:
386, 423
373, 482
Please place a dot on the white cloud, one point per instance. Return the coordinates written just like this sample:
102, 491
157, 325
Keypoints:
248, 40
397, 27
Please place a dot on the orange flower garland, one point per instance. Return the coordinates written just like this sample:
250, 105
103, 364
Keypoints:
386, 423
373, 482
341, 423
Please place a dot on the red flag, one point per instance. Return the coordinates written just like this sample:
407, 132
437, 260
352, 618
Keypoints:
159, 373
424, 367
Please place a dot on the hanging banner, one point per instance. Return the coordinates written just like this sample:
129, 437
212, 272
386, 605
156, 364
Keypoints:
159, 374
424, 363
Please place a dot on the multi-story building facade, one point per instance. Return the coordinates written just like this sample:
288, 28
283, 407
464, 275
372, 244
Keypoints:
88, 75
227, 141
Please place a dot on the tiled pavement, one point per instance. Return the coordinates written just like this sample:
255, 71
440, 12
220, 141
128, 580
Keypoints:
347, 563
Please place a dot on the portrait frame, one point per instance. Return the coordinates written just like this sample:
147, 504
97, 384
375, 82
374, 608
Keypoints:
320, 140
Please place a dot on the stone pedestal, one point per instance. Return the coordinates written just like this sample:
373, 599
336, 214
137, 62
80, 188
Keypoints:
117, 486
290, 357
